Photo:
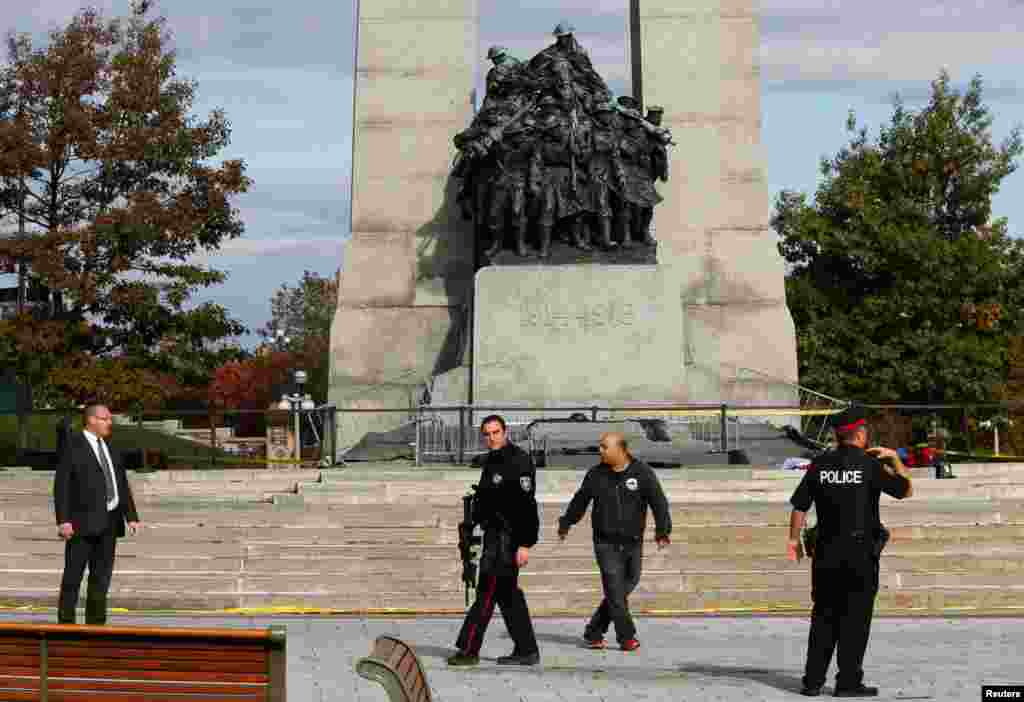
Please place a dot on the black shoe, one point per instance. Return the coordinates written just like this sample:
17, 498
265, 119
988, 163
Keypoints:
463, 659
810, 691
861, 690
520, 659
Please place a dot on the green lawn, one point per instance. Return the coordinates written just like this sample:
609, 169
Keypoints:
42, 435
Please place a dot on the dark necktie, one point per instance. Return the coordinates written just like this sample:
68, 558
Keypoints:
107, 473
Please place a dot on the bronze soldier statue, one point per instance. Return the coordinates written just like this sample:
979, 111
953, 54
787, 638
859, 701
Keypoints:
638, 187
604, 171
657, 154
508, 197
587, 82
505, 80
560, 189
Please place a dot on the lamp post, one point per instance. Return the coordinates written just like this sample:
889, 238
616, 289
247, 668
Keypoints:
297, 405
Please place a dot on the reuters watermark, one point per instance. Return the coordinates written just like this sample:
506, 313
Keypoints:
1002, 692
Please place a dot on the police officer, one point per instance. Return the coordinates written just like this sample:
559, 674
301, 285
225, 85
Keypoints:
622, 488
506, 508
845, 485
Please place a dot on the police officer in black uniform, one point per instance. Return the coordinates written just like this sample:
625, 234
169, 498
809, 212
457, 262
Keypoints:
845, 485
506, 508
622, 488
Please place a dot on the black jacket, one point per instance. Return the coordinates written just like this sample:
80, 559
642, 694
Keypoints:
80, 490
507, 495
844, 486
620, 504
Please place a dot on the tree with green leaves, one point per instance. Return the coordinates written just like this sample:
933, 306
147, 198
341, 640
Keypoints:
304, 310
300, 323
108, 183
901, 285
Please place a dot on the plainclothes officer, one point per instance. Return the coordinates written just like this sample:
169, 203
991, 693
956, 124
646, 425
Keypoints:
506, 508
622, 488
92, 500
845, 485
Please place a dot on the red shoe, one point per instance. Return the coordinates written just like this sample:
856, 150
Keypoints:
596, 644
630, 645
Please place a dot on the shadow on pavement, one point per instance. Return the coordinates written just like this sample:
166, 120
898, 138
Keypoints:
431, 651
561, 639
772, 678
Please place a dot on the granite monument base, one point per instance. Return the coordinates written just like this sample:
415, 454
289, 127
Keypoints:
579, 335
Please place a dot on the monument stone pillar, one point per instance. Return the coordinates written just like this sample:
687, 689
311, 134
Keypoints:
700, 61
404, 292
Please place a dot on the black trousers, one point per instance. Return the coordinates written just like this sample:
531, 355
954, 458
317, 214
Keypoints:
620, 566
502, 590
96, 552
844, 583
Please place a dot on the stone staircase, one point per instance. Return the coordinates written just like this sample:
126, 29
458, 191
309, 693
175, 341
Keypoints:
383, 539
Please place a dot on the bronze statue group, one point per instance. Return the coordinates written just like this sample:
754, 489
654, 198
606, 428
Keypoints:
551, 154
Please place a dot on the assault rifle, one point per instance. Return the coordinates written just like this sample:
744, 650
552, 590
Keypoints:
467, 540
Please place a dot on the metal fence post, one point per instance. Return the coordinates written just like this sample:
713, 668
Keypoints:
724, 427
419, 434
213, 440
593, 413
462, 434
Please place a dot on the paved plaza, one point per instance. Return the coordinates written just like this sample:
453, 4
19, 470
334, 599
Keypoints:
716, 658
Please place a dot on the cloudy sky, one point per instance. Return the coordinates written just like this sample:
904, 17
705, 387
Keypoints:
283, 73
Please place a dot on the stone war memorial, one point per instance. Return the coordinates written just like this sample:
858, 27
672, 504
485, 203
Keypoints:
560, 245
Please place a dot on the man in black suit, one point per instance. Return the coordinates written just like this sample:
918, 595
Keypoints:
92, 499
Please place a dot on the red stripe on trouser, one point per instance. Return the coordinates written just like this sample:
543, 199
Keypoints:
486, 611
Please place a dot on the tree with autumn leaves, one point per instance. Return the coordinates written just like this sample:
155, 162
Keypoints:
109, 190
901, 285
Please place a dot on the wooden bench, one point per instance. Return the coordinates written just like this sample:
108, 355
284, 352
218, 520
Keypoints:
394, 664
74, 663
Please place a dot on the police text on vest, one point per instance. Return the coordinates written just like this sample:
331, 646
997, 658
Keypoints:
841, 477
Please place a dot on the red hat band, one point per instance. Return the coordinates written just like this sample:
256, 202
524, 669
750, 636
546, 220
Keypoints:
852, 425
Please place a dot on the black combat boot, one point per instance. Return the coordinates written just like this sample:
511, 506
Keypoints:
520, 659
861, 690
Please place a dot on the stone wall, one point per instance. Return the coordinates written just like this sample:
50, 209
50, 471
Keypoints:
700, 61
404, 292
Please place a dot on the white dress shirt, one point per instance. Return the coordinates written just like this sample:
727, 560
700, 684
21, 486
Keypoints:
94, 441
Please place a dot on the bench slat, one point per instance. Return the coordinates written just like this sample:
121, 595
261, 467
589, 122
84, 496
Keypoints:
172, 654
206, 688
167, 644
19, 661
143, 697
82, 631
163, 675
123, 664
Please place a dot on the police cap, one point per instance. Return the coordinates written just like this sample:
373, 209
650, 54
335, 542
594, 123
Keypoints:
849, 419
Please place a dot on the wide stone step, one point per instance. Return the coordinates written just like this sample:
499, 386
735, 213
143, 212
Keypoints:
795, 579
556, 601
966, 510
729, 539
385, 567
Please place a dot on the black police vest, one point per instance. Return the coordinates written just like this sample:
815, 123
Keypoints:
846, 493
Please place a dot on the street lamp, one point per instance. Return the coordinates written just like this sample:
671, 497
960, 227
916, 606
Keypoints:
298, 403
